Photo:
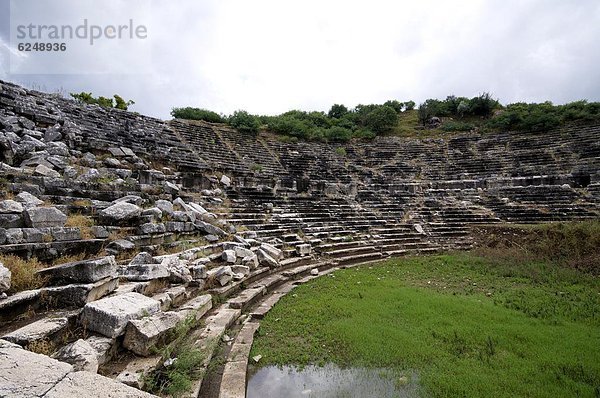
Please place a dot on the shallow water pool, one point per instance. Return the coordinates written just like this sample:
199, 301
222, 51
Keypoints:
330, 381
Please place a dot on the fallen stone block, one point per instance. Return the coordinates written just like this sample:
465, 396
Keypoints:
303, 249
229, 256
109, 316
90, 385
86, 271
209, 228
222, 275
44, 171
119, 213
196, 307
44, 217
19, 303
142, 336
105, 348
28, 200
11, 221
144, 272
10, 206
43, 329
78, 295
272, 251
24, 374
80, 354
266, 259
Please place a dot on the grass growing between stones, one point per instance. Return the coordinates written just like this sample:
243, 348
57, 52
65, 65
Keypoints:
23, 272
175, 379
469, 326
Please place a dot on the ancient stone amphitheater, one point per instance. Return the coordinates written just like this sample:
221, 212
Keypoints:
191, 219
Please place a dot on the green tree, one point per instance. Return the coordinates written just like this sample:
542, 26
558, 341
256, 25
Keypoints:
337, 111
244, 122
381, 119
190, 113
409, 105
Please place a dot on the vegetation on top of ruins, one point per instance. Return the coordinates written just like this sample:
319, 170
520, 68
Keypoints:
433, 117
116, 102
190, 113
468, 324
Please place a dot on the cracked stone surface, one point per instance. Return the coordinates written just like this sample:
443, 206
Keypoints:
27, 374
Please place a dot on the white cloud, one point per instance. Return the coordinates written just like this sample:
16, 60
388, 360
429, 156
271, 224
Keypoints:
269, 56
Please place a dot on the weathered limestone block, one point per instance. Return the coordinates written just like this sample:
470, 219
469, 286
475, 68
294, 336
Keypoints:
132, 199
229, 256
226, 181
120, 245
199, 271
303, 249
144, 272
250, 261
196, 307
142, 258
14, 236
80, 354
79, 294
85, 271
44, 171
10, 206
266, 259
223, 275
28, 200
90, 385
209, 228
242, 252
100, 232
165, 206
44, 217
5, 278
32, 235
11, 221
151, 228
105, 348
119, 213
272, 251
142, 335
66, 233
419, 229
241, 269
24, 374
38, 330
109, 316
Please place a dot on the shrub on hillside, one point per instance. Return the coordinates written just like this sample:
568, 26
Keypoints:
381, 119
116, 102
190, 113
337, 111
244, 122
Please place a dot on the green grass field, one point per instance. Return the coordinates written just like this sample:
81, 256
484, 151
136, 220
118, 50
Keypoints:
467, 325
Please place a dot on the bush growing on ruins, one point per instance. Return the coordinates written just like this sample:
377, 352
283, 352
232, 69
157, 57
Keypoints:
116, 102
394, 104
244, 122
457, 126
542, 116
337, 111
190, 113
337, 134
381, 119
409, 105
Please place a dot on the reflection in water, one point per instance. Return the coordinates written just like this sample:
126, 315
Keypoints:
331, 382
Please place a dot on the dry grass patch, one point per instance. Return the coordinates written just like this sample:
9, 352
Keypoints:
23, 272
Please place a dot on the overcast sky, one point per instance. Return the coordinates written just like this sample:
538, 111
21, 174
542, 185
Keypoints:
269, 56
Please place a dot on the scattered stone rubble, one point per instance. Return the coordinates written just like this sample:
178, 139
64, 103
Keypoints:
167, 219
